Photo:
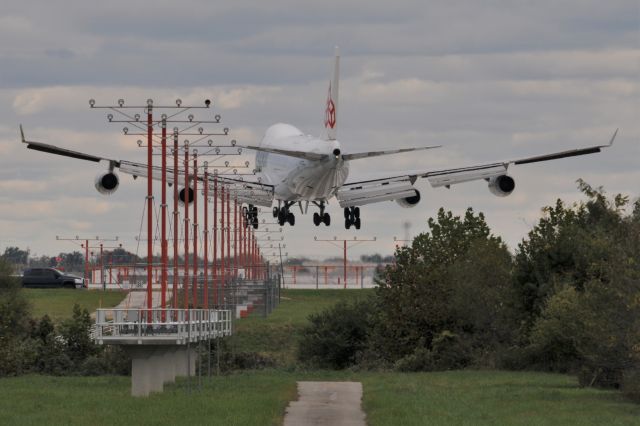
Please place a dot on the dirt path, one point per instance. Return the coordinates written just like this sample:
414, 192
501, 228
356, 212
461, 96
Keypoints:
326, 403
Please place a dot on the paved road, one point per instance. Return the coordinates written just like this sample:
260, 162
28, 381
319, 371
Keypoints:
326, 403
138, 299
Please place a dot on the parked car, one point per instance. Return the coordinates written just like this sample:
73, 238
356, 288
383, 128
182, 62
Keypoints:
50, 277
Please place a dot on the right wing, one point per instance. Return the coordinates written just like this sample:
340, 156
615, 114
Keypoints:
362, 192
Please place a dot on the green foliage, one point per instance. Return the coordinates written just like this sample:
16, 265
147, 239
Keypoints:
335, 336
453, 279
75, 333
578, 277
15, 256
16, 352
44, 347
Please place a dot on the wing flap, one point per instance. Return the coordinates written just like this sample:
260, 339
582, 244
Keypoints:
454, 176
375, 191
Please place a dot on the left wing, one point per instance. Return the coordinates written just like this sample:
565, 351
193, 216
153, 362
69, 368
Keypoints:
362, 192
251, 192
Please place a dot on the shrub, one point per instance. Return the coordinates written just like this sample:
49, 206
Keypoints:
335, 336
631, 384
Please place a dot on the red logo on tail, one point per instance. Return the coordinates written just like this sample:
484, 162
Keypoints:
330, 112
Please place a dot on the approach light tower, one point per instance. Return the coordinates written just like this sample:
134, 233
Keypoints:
84, 243
354, 242
156, 134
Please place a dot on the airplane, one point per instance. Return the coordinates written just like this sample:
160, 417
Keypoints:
294, 168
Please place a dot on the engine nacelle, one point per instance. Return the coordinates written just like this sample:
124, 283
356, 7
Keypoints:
107, 183
184, 193
409, 201
501, 186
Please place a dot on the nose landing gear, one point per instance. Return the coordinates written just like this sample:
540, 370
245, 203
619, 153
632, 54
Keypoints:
321, 217
352, 217
284, 215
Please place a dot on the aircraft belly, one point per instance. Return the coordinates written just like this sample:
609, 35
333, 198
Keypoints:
310, 184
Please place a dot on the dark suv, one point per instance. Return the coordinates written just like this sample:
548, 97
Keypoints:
49, 277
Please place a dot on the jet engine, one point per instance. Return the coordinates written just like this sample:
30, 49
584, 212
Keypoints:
409, 201
107, 182
184, 193
501, 186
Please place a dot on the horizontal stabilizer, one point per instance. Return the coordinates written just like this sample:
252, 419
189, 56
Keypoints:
297, 154
360, 155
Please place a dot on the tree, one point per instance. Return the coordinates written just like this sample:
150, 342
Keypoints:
578, 280
15, 351
335, 337
75, 333
418, 302
16, 256
563, 246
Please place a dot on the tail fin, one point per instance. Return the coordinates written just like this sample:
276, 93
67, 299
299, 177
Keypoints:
331, 111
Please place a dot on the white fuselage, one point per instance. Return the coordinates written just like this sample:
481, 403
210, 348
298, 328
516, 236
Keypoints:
298, 179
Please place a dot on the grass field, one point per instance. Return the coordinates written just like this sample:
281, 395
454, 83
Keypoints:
260, 398
58, 303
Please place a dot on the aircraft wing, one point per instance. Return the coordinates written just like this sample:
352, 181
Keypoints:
400, 185
251, 192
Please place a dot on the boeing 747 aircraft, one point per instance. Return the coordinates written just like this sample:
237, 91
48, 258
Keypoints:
294, 168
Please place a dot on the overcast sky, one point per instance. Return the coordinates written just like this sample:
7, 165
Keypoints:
490, 80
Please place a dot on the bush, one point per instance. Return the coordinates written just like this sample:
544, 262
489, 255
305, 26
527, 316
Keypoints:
421, 359
335, 336
631, 384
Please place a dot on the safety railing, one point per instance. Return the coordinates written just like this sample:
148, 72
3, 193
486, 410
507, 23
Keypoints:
158, 326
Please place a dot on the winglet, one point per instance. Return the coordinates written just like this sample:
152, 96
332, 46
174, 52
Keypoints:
22, 134
612, 138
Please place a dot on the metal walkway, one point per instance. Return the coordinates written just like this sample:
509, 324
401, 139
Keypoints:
142, 326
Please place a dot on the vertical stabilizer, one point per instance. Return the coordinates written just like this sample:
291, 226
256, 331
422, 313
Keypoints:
331, 110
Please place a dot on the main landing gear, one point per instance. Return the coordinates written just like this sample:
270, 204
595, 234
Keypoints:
250, 216
321, 217
352, 217
284, 215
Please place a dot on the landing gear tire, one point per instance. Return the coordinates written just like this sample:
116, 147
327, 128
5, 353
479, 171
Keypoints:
275, 212
291, 219
316, 219
282, 217
326, 219
352, 217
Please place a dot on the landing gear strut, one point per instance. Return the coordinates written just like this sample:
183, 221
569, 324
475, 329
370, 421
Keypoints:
250, 216
352, 217
321, 217
284, 215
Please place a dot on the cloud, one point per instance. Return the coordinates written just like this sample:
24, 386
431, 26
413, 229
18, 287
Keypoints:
490, 81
